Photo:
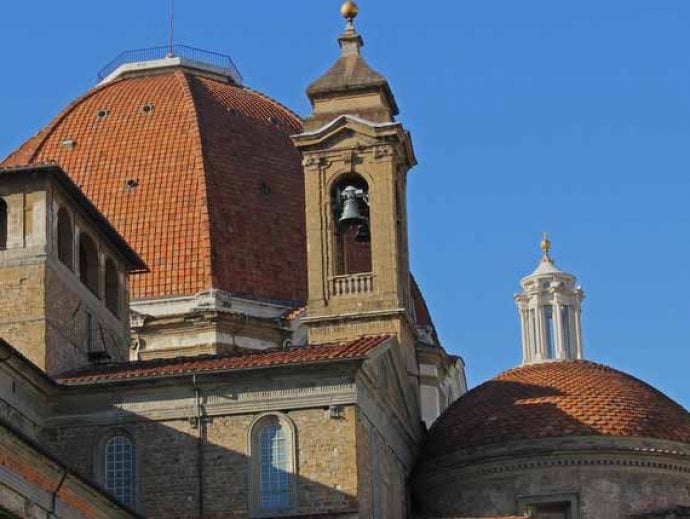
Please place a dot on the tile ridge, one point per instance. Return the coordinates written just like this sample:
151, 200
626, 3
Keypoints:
188, 83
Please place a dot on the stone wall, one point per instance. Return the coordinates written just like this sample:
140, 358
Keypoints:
167, 454
78, 323
22, 307
616, 479
32, 485
382, 477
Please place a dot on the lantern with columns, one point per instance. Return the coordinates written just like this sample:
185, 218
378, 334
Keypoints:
550, 310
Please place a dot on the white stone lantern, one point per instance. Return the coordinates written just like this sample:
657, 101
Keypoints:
550, 308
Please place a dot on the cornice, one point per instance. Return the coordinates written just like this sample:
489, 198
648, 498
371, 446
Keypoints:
218, 402
642, 453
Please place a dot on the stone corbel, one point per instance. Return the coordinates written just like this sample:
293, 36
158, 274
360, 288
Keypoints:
309, 161
382, 152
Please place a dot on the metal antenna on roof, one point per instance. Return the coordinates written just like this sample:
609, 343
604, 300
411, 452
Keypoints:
171, 28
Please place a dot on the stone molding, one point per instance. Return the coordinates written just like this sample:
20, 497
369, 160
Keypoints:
217, 403
641, 453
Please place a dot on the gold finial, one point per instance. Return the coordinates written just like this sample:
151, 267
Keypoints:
349, 10
546, 244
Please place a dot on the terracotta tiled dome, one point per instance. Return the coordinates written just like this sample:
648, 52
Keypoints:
557, 399
198, 174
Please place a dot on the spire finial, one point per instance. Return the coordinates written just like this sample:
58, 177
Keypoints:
350, 41
546, 245
171, 28
349, 10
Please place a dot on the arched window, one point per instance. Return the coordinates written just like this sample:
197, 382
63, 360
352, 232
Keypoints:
350, 199
88, 262
3, 224
65, 238
273, 460
119, 465
112, 287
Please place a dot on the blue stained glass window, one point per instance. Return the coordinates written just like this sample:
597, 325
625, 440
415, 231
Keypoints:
119, 469
274, 475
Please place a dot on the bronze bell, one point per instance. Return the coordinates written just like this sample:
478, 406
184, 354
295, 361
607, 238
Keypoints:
352, 207
363, 234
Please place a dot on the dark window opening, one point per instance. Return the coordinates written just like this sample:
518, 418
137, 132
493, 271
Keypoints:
3, 224
550, 511
65, 238
352, 229
88, 263
112, 287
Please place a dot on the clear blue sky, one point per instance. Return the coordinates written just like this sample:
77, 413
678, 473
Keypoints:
571, 117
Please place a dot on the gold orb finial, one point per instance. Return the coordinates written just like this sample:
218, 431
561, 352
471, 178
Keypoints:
349, 10
546, 244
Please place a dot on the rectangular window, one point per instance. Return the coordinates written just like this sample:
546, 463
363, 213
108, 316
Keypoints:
551, 511
550, 337
554, 506
274, 475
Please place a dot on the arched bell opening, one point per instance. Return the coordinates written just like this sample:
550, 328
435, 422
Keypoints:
88, 263
351, 229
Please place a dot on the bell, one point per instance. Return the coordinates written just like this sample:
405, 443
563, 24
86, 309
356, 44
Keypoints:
363, 234
352, 213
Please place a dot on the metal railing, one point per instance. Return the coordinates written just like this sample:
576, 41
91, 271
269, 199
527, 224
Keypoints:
219, 61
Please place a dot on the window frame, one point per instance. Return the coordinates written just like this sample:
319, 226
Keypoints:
100, 465
338, 237
570, 498
255, 462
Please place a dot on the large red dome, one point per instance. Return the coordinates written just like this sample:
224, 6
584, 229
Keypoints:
557, 399
198, 174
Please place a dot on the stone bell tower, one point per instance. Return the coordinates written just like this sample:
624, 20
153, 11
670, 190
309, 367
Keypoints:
356, 159
550, 308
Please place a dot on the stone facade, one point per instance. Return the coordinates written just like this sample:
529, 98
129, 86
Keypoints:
172, 482
50, 315
194, 454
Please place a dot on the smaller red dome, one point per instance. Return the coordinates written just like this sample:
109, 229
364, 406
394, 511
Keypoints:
557, 399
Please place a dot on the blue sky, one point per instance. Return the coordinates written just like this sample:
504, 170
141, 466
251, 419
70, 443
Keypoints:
571, 117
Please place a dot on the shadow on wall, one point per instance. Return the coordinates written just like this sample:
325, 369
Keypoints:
213, 467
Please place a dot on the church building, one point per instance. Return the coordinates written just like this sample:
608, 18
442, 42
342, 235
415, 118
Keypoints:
209, 313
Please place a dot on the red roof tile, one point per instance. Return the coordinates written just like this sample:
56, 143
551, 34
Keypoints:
220, 195
357, 349
574, 398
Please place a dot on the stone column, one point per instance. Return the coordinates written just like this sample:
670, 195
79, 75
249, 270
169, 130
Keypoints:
578, 331
526, 343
